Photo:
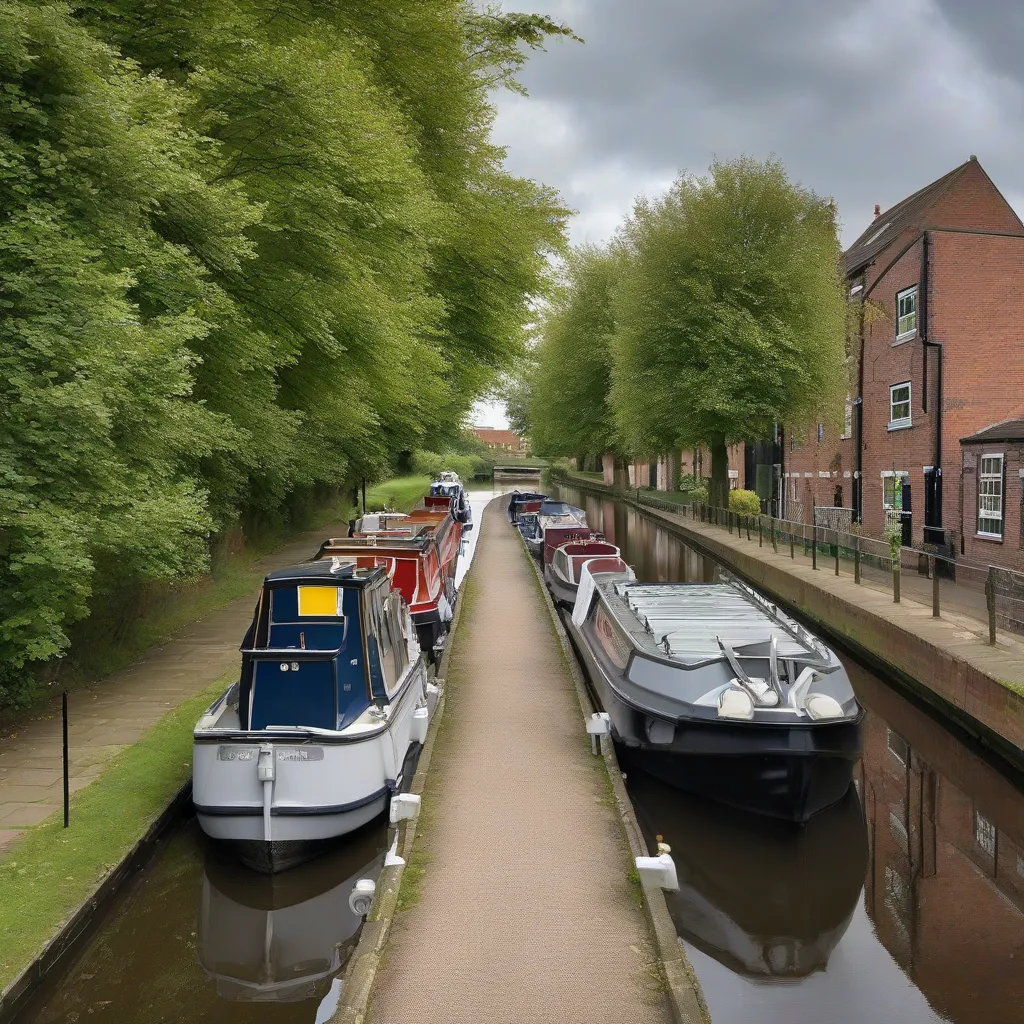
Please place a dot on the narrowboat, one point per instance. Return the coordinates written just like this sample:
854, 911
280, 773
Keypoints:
717, 691
282, 938
766, 900
564, 520
523, 501
311, 741
419, 552
449, 485
562, 573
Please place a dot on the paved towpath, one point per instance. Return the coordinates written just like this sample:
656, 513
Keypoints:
525, 914
120, 709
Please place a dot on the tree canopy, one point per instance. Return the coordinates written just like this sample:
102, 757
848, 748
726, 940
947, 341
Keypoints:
251, 250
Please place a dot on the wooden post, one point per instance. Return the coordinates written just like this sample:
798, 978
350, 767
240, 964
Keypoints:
760, 533
775, 540
748, 527
856, 559
792, 545
814, 547
896, 580
990, 601
837, 552
933, 568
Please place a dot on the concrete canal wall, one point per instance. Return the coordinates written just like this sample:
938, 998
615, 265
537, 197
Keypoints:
943, 661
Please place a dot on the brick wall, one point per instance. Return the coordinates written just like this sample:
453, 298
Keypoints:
1008, 551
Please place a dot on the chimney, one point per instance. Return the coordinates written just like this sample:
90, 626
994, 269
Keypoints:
878, 211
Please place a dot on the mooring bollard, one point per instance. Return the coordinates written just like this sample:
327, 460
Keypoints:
856, 559
990, 601
933, 568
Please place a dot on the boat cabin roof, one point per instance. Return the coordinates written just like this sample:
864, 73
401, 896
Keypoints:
686, 620
331, 571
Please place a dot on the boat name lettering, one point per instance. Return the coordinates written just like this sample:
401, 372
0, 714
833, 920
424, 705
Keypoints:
300, 753
237, 753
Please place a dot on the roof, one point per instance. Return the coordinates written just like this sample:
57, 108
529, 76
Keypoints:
497, 436
333, 571
1007, 430
886, 227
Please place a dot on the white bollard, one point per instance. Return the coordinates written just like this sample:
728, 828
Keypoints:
404, 807
660, 870
598, 724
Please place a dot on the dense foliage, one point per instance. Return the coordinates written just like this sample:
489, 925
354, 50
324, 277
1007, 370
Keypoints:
725, 315
250, 251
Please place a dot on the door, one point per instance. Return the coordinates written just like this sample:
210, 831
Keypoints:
933, 531
652, 475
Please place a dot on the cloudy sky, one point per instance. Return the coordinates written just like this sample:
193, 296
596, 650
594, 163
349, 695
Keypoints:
865, 102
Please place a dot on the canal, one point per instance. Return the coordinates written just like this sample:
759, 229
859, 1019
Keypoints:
197, 937
904, 902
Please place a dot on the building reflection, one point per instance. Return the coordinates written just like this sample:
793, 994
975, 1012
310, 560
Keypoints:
945, 889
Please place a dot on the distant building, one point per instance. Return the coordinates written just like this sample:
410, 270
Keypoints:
503, 441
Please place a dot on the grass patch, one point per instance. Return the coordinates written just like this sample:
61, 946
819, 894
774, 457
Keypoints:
400, 493
48, 872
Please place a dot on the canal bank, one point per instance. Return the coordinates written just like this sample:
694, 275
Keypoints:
524, 911
129, 759
943, 661
905, 901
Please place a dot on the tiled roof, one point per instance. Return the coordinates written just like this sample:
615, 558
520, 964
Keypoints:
1008, 430
890, 223
497, 436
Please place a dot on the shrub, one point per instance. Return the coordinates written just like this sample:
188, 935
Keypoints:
746, 503
700, 494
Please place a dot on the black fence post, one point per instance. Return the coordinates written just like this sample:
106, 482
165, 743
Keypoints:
792, 543
67, 788
933, 568
856, 559
814, 547
990, 601
837, 552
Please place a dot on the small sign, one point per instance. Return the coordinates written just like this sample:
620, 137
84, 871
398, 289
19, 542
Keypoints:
300, 753
237, 753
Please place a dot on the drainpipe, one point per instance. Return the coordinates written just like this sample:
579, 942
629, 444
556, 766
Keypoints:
859, 407
937, 345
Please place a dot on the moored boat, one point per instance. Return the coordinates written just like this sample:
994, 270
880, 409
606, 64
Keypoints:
449, 485
311, 742
554, 523
419, 552
562, 573
523, 501
715, 690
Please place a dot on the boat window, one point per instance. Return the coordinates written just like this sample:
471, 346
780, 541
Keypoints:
608, 636
319, 602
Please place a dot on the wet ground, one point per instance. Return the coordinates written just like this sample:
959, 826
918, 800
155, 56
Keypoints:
905, 902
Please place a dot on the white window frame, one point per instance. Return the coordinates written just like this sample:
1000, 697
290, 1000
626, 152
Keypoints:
901, 422
991, 477
901, 475
903, 331
986, 835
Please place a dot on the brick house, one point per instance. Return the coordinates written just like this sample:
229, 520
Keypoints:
939, 357
503, 440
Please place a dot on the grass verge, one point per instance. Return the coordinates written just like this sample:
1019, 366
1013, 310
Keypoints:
49, 871
399, 493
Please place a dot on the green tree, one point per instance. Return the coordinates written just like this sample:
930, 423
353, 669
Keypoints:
730, 313
569, 409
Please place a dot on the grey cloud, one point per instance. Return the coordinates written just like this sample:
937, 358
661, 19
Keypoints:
864, 102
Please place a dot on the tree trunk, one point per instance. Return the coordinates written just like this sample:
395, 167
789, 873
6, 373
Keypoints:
718, 491
675, 457
621, 472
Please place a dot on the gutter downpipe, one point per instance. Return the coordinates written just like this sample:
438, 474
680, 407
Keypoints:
927, 344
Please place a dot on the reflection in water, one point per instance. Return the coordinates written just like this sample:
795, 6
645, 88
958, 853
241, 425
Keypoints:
939, 933
274, 938
760, 896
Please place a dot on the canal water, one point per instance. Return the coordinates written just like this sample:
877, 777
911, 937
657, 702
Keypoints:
905, 902
200, 938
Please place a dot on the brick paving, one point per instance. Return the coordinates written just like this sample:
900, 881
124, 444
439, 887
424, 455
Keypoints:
118, 710
525, 913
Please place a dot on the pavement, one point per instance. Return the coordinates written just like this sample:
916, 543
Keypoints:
526, 914
117, 711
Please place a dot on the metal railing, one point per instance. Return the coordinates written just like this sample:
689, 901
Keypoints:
989, 594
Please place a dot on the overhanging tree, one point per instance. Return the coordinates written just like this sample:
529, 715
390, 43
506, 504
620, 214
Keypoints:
730, 313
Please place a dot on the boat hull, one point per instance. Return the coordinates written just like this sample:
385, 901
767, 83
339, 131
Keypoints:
563, 593
787, 771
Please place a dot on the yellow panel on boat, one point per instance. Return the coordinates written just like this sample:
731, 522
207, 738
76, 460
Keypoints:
323, 602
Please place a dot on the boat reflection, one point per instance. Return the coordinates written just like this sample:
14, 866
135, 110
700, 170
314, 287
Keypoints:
766, 899
276, 938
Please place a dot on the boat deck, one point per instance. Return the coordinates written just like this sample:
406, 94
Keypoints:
525, 914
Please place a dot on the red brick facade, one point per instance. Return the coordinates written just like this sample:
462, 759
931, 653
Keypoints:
960, 245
